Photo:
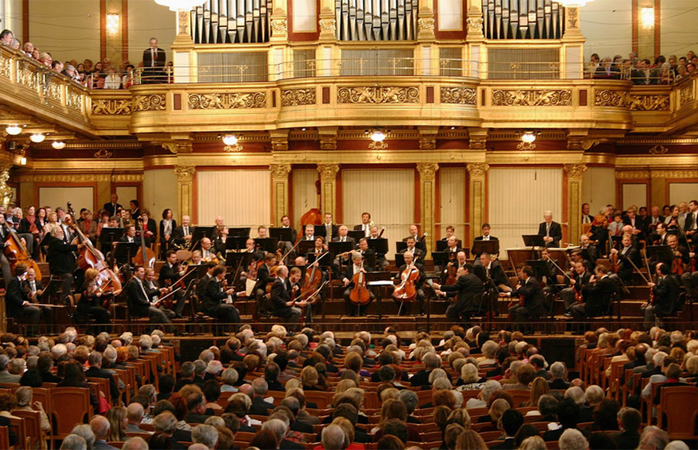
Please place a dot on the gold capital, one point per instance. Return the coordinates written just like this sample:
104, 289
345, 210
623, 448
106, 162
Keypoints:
328, 172
478, 169
280, 171
185, 173
427, 171
575, 170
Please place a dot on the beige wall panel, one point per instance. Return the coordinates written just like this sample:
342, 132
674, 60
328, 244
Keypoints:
242, 197
599, 188
160, 192
68, 29
682, 192
304, 194
678, 32
79, 197
634, 194
147, 19
304, 16
450, 15
128, 193
607, 26
387, 194
517, 200
452, 201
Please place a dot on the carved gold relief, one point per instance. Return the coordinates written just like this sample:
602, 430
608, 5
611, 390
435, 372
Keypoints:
478, 169
5, 66
152, 102
575, 170
280, 171
610, 98
298, 97
674, 174
686, 95
328, 26
458, 95
384, 94
328, 172
231, 100
111, 107
478, 144
427, 143
523, 97
426, 25
185, 173
279, 26
427, 171
572, 17
279, 144
54, 91
475, 25
67, 178
633, 175
26, 76
328, 143
176, 147
658, 150
103, 154
73, 98
648, 102
526, 146
378, 145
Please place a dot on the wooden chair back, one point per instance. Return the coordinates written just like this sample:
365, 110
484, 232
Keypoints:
4, 437
677, 404
70, 406
32, 427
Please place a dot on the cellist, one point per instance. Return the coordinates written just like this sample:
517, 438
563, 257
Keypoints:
404, 272
348, 281
530, 293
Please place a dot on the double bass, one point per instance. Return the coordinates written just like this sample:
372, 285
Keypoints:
91, 258
16, 252
145, 256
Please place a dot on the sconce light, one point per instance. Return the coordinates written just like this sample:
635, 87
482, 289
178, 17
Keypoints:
377, 139
647, 18
13, 130
528, 137
37, 138
113, 24
58, 145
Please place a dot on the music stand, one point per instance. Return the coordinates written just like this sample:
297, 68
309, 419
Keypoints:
441, 245
320, 231
106, 237
235, 243
659, 253
617, 242
282, 234
540, 269
233, 259
325, 261
267, 244
124, 251
305, 247
356, 234
490, 247
440, 258
198, 233
400, 245
380, 245
399, 259
239, 232
383, 281
532, 240
340, 247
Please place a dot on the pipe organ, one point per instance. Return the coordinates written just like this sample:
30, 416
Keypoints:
231, 22
376, 20
523, 19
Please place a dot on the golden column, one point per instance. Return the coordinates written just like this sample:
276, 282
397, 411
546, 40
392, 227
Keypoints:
328, 188
427, 190
476, 189
279, 191
185, 189
575, 173
5, 190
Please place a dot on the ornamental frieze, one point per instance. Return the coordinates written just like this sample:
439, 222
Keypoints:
686, 95
73, 98
378, 95
231, 100
152, 102
648, 102
523, 97
54, 91
298, 97
110, 107
5, 66
610, 98
26, 76
458, 95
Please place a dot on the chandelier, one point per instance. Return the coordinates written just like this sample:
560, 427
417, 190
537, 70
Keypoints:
180, 5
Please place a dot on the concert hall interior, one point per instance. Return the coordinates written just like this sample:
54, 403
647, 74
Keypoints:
499, 178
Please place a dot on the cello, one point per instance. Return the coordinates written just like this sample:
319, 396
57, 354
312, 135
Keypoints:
406, 291
359, 294
145, 256
90, 257
17, 253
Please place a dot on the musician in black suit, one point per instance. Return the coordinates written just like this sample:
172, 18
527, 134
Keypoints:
93, 301
182, 234
402, 275
493, 270
486, 236
596, 296
61, 260
690, 226
329, 228
287, 246
578, 281
154, 60
18, 303
348, 281
413, 247
680, 255
221, 236
169, 274
629, 259
466, 287
263, 279
139, 300
381, 262
551, 231
215, 294
531, 294
146, 222
365, 225
129, 235
342, 235
589, 250
368, 254
586, 217
113, 207
414, 233
283, 290
666, 295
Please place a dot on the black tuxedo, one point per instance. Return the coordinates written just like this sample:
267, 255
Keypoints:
482, 238
666, 294
497, 274
533, 297
112, 208
555, 233
626, 261
260, 407
211, 304
643, 78
466, 287
597, 297
280, 295
294, 234
139, 298
154, 61
61, 259
168, 272
369, 257
334, 230
179, 233
418, 242
15, 296
348, 239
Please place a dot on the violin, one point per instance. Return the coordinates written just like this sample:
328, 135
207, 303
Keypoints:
359, 294
407, 291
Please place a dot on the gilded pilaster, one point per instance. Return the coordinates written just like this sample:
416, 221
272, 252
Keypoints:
185, 189
5, 190
279, 192
427, 189
328, 187
575, 173
476, 188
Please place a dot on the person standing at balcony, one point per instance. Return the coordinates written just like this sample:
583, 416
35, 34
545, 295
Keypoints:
154, 60
643, 75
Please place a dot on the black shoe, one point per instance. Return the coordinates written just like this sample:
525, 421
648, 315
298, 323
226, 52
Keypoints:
568, 314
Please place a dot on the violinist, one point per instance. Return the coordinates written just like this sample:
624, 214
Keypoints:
320, 246
493, 270
365, 225
61, 260
170, 273
452, 247
381, 262
18, 303
627, 256
578, 280
403, 273
91, 301
412, 248
680, 256
414, 233
576, 255
530, 293
309, 233
156, 291
35, 289
661, 235
453, 266
466, 287
597, 295
348, 282
283, 293
167, 227
215, 296
588, 249
140, 299
207, 252
221, 236
666, 296
196, 258
4, 262
182, 234
264, 277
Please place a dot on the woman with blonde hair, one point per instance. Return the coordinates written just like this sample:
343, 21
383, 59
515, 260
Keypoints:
341, 388
470, 440
25, 395
496, 411
538, 387
310, 378
117, 421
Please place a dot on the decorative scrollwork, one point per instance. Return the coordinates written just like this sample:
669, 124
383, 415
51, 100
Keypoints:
73, 98
376, 95
103, 154
26, 76
280, 171
279, 26
185, 173
427, 143
658, 149
229, 100
648, 102
572, 17
475, 25
610, 98
54, 90
328, 172
427, 171
328, 26
526, 146
5, 67
575, 170
686, 95
426, 25
458, 95
298, 97
110, 107
524, 97
378, 145
152, 102
478, 169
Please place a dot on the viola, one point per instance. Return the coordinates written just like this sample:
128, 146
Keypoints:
677, 266
406, 291
359, 294
451, 277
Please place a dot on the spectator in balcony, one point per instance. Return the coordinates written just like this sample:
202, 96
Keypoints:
45, 59
666, 75
57, 66
593, 64
112, 80
130, 78
681, 71
6, 37
690, 68
643, 76
606, 70
15, 45
36, 53
626, 69
71, 73
154, 60
88, 65
29, 49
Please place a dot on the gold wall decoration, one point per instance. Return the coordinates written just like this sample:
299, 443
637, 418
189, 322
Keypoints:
176, 147
228, 100
233, 148
152, 102
427, 143
686, 95
478, 169
5, 191
183, 22
376, 95
673, 174
185, 173
526, 146
658, 150
475, 25
54, 90
633, 174
127, 178
610, 98
328, 26
572, 17
523, 97
280, 171
328, 143
5, 66
103, 153
65, 178
458, 95
298, 97
74, 97
26, 75
279, 144
279, 26
111, 107
575, 170
426, 25
648, 102
378, 145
